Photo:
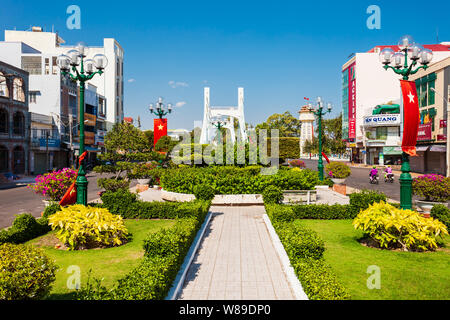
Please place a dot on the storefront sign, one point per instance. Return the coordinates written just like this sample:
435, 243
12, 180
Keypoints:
351, 101
443, 123
90, 119
382, 120
424, 132
441, 137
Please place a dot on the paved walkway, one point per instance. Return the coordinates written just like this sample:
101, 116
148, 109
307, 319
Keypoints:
236, 260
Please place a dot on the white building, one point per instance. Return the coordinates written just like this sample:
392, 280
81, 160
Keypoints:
50, 45
307, 119
366, 84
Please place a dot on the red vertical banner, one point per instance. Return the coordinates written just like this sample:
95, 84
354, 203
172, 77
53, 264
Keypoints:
411, 117
159, 129
351, 101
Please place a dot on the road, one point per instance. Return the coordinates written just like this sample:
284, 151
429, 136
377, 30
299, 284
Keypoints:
19, 200
359, 179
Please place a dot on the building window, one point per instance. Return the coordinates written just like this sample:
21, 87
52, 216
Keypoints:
54, 66
381, 133
18, 90
33, 65
3, 121
19, 124
19, 160
424, 87
47, 66
32, 96
4, 159
4, 92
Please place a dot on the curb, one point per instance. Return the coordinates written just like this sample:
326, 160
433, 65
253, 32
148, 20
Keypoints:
181, 276
287, 267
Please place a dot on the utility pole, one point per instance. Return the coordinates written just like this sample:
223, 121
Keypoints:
71, 138
46, 149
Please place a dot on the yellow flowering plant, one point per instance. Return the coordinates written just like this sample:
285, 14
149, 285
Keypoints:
391, 227
80, 227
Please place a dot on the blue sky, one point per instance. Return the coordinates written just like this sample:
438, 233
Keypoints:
279, 51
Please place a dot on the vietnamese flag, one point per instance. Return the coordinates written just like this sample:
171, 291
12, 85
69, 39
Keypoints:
70, 197
159, 129
411, 117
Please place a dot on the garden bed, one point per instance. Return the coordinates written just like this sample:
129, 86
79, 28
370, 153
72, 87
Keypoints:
109, 264
404, 275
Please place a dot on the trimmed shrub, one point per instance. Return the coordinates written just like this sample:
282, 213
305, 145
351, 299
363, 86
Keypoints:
442, 213
203, 192
362, 200
297, 163
287, 213
300, 242
83, 227
25, 227
394, 228
273, 195
51, 209
338, 170
113, 185
319, 281
26, 273
118, 202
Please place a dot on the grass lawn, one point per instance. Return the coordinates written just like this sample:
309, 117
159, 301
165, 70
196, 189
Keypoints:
110, 264
404, 275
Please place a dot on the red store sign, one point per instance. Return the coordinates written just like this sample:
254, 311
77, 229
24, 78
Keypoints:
424, 132
443, 123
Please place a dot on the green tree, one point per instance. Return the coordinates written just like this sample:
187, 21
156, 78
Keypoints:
286, 123
149, 135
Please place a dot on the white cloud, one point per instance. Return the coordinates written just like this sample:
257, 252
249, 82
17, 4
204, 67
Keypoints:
176, 84
131, 80
180, 104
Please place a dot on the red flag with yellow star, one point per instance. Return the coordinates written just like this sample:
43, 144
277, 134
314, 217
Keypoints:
70, 197
159, 129
411, 117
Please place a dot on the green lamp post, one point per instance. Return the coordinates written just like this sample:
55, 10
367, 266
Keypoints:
160, 112
319, 113
71, 61
399, 60
219, 124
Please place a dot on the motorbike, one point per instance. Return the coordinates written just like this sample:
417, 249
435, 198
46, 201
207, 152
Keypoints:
373, 179
389, 178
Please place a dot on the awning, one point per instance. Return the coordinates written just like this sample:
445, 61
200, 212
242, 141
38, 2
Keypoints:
393, 151
438, 148
422, 148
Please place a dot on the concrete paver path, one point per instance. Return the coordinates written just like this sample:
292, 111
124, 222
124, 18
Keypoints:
236, 260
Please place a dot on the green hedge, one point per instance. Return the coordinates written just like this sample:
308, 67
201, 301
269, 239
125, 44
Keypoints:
165, 251
235, 180
24, 228
442, 213
289, 147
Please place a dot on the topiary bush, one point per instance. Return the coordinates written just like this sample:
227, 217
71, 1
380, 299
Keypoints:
393, 228
442, 213
204, 192
273, 195
26, 273
51, 209
113, 185
338, 170
362, 200
84, 227
25, 227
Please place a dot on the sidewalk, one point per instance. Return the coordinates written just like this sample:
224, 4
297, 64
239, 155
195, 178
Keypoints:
236, 260
18, 183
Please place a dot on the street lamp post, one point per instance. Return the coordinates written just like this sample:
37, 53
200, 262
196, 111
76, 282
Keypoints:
405, 69
71, 61
319, 113
219, 124
159, 108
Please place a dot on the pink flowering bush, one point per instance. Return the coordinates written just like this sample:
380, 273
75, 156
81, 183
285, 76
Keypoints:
432, 187
54, 185
297, 163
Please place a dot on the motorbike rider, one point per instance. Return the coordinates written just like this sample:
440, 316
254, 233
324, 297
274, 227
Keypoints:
373, 173
387, 171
